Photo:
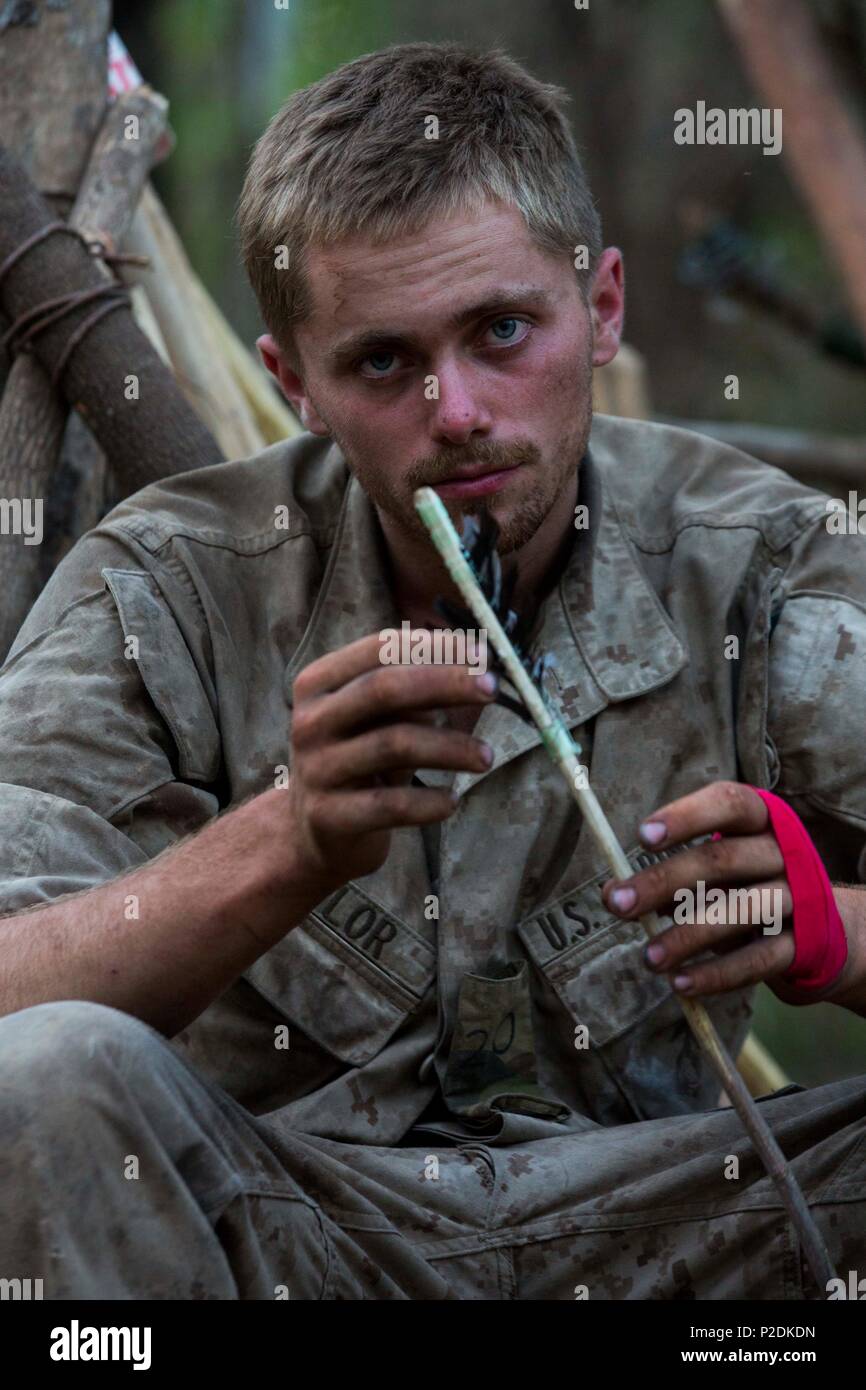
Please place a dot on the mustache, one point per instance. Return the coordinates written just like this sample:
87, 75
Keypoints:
435, 468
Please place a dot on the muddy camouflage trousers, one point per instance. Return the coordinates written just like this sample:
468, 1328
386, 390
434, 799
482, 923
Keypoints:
125, 1175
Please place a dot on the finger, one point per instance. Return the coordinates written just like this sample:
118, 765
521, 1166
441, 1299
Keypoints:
729, 807
384, 808
396, 747
778, 907
761, 960
762, 908
332, 671
387, 691
336, 669
409, 716
396, 777
739, 859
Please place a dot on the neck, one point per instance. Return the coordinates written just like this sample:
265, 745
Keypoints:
418, 577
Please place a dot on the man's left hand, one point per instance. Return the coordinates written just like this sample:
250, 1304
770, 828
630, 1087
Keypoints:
747, 856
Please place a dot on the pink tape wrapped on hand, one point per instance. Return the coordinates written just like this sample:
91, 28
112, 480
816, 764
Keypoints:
820, 943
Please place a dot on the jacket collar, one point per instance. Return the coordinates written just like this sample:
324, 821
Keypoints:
354, 597
611, 637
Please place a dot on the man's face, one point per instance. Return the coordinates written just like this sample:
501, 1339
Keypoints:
459, 357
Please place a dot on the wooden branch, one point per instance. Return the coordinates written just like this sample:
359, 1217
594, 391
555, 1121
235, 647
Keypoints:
32, 414
123, 155
202, 374
150, 436
53, 89
831, 463
146, 320
145, 439
53, 95
825, 150
76, 501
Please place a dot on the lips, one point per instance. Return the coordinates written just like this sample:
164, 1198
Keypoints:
475, 482
478, 470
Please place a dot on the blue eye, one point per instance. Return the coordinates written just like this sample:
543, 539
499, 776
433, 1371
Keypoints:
378, 365
510, 331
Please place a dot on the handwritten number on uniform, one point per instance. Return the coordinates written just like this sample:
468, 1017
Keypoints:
482, 1033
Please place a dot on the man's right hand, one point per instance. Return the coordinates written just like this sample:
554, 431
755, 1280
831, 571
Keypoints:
359, 732
214, 902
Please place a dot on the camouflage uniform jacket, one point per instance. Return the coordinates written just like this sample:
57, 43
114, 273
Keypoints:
707, 626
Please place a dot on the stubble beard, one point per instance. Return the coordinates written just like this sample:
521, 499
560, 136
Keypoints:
544, 483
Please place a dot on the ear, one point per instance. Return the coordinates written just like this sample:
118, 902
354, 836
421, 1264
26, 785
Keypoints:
607, 306
291, 384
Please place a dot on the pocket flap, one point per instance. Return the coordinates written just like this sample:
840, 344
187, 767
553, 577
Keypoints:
594, 959
168, 671
349, 976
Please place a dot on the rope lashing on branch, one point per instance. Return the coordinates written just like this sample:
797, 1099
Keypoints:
35, 320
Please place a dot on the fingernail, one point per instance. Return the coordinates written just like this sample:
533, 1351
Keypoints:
652, 832
623, 899
655, 953
486, 753
488, 683
683, 983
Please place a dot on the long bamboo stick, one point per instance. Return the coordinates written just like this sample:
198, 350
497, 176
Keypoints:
565, 753
205, 378
270, 412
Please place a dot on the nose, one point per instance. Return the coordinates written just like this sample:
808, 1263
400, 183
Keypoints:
458, 413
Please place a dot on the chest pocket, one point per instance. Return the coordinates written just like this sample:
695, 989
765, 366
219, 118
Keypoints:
639, 1055
593, 959
756, 751
156, 644
349, 976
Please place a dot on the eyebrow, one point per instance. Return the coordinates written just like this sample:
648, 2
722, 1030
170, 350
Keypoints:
506, 300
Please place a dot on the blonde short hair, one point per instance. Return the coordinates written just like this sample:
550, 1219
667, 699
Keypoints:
352, 153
